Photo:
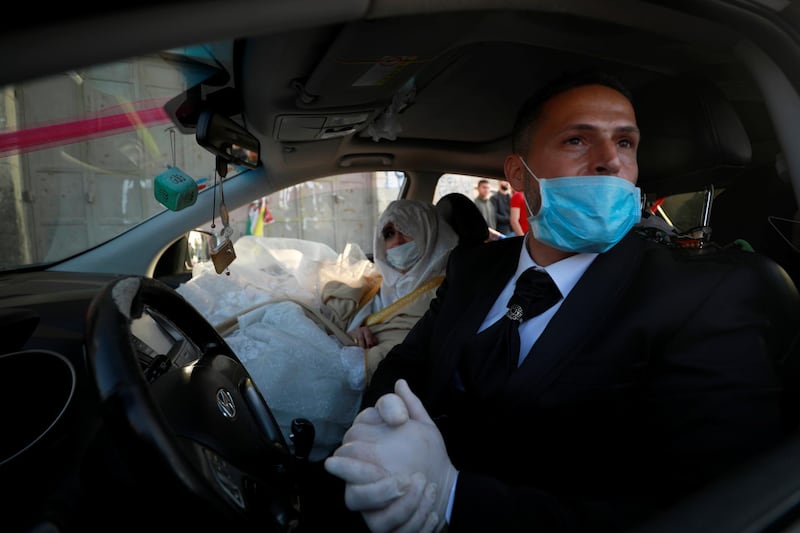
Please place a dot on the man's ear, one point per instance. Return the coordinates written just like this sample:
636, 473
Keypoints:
514, 172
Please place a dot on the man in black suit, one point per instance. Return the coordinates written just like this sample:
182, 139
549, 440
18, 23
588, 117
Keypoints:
645, 379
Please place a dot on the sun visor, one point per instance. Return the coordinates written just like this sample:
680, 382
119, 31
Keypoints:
371, 61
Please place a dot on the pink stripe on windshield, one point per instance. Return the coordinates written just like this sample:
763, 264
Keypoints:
79, 130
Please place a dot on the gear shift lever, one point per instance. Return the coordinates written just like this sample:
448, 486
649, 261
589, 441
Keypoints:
302, 437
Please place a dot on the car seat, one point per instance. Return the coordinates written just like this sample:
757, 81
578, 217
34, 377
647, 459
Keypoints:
766, 220
694, 140
464, 217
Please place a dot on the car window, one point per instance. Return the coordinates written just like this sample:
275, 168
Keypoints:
334, 210
81, 152
684, 211
466, 185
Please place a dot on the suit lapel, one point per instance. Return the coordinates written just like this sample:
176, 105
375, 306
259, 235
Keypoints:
483, 278
599, 288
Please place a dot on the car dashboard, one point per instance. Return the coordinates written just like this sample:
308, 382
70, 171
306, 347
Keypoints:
54, 450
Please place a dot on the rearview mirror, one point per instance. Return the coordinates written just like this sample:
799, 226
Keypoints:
226, 139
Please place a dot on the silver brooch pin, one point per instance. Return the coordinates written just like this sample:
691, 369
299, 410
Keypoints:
515, 312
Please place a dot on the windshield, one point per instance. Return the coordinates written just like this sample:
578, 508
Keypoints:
80, 152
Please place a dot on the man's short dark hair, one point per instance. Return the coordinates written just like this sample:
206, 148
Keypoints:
530, 110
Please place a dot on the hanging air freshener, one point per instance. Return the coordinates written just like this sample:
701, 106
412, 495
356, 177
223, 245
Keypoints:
174, 188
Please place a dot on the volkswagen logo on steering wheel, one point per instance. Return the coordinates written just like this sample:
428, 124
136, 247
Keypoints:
225, 404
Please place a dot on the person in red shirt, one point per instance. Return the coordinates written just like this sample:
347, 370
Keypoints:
518, 216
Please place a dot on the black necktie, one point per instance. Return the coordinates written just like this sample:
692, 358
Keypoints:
535, 293
487, 362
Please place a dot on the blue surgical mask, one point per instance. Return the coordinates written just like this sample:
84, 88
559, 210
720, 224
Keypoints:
403, 257
584, 213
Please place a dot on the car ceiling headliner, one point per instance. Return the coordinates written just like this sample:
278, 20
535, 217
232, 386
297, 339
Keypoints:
304, 55
471, 71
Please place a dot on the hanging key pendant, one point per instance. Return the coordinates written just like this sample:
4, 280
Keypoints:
223, 255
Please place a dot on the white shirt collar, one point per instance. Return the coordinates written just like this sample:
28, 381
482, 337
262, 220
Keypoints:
565, 273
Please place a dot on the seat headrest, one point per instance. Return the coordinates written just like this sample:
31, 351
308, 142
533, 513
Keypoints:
464, 217
691, 137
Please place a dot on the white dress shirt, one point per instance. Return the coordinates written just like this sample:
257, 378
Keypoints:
565, 273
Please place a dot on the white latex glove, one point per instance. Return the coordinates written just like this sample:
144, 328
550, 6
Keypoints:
386, 501
381, 459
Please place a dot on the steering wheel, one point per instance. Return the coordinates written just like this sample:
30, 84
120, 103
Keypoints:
193, 410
